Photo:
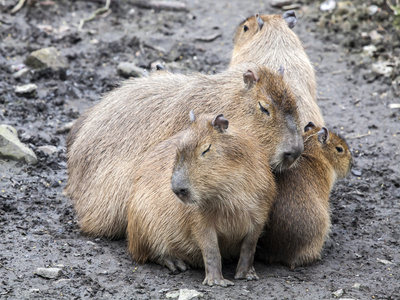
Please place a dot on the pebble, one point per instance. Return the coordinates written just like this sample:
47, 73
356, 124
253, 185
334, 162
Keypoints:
127, 69
328, 5
11, 147
65, 128
46, 58
49, 273
382, 68
48, 149
25, 89
357, 285
356, 172
184, 294
338, 293
384, 261
21, 73
369, 50
280, 3
372, 9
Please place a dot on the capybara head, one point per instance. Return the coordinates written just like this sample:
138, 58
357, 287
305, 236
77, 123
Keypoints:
212, 159
263, 28
333, 147
274, 109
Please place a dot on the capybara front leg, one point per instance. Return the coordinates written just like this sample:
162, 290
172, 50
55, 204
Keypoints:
245, 269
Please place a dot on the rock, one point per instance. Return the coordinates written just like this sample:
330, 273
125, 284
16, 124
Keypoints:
49, 273
384, 261
65, 128
328, 5
11, 147
46, 58
21, 73
127, 69
375, 36
280, 3
48, 149
369, 50
184, 294
356, 172
25, 89
357, 285
382, 68
338, 293
372, 9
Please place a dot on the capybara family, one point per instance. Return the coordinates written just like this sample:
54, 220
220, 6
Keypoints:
268, 40
107, 144
201, 196
300, 219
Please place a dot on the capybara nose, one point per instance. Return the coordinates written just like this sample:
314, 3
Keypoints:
291, 156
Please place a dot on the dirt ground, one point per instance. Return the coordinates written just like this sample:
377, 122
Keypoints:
37, 223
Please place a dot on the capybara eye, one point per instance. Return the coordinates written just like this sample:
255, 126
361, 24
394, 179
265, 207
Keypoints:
263, 109
339, 149
205, 151
245, 28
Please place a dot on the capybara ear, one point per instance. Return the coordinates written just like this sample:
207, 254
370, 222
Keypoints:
323, 135
281, 70
309, 126
260, 22
290, 18
192, 116
220, 123
250, 78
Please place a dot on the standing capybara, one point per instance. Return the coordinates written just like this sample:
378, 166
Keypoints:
268, 40
107, 143
300, 219
225, 189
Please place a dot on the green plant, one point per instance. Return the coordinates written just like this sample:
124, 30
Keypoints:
396, 10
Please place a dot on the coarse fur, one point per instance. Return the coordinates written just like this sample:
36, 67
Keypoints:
231, 192
275, 45
300, 219
108, 142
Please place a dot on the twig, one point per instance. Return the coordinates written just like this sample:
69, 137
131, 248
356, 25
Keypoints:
357, 137
94, 14
18, 6
166, 5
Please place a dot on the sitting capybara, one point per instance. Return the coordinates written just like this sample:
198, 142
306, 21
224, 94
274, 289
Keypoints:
268, 40
300, 219
107, 144
202, 194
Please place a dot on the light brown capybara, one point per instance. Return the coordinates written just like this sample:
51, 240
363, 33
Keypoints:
201, 196
268, 40
108, 142
300, 219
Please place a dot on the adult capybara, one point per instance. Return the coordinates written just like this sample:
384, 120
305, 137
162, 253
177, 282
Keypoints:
107, 144
268, 40
300, 219
225, 189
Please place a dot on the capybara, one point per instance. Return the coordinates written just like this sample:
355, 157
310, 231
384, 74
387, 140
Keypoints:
202, 195
300, 219
107, 143
268, 40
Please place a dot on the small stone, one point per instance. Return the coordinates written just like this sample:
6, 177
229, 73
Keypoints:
375, 36
338, 293
21, 73
328, 5
127, 69
357, 285
280, 3
186, 294
355, 172
11, 147
49, 273
34, 291
65, 128
382, 68
369, 50
46, 58
372, 9
384, 261
48, 149
25, 89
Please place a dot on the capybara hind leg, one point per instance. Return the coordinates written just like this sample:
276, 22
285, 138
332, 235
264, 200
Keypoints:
245, 269
174, 264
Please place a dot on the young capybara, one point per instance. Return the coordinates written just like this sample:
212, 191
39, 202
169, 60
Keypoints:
107, 143
268, 40
201, 196
300, 219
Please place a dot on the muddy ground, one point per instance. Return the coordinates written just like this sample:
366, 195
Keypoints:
37, 223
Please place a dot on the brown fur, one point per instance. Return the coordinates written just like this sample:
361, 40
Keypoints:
300, 219
275, 46
107, 148
231, 193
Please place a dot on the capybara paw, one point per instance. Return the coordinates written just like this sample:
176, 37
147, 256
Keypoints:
249, 275
217, 281
174, 264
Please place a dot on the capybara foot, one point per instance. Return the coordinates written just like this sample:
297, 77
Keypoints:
174, 264
249, 275
217, 281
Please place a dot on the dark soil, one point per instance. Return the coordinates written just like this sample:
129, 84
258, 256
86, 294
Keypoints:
37, 223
